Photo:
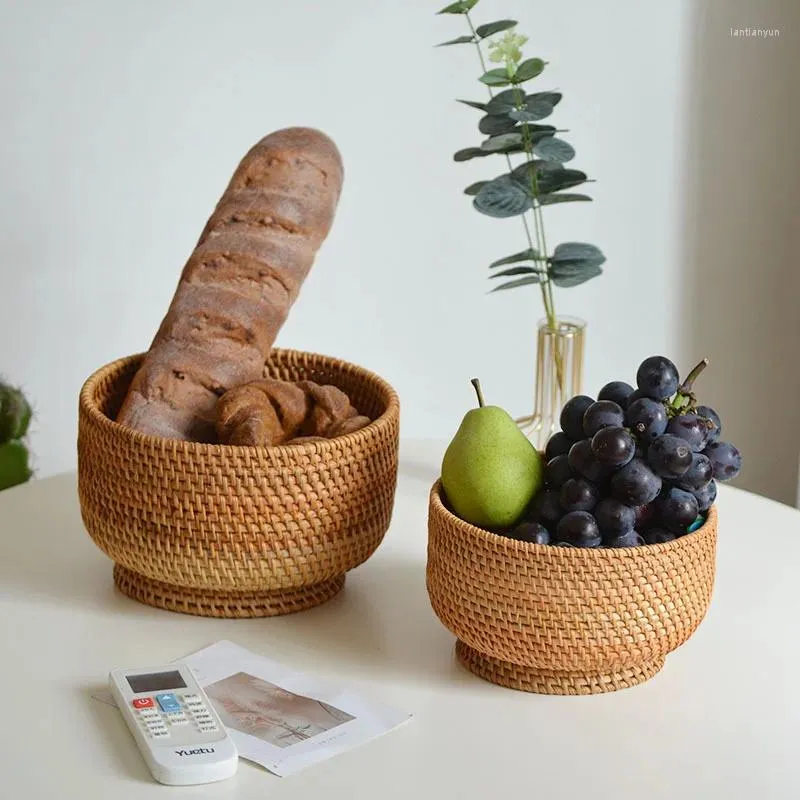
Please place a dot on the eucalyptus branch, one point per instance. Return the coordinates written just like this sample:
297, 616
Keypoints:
509, 126
507, 157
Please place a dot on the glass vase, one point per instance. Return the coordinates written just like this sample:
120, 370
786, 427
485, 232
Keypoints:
559, 376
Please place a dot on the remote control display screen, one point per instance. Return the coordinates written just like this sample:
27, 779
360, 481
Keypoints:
156, 682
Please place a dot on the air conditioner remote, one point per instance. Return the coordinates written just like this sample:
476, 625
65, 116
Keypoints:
175, 726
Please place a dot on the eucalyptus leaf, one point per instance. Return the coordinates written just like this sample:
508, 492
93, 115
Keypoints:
460, 7
494, 27
496, 144
495, 77
529, 69
525, 255
522, 115
502, 198
528, 279
553, 98
493, 125
551, 180
503, 102
514, 271
457, 40
554, 149
474, 104
538, 108
525, 173
474, 188
554, 199
469, 152
578, 252
573, 273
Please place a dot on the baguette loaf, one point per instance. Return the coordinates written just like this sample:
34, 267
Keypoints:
237, 287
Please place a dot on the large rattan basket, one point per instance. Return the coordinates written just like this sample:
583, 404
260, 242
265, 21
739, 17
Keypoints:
226, 531
563, 620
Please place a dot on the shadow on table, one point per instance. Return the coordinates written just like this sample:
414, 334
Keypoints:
125, 759
45, 554
381, 622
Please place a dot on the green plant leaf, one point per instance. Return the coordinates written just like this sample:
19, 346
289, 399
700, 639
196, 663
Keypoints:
554, 149
473, 104
494, 27
525, 171
570, 252
525, 255
528, 69
539, 109
495, 77
500, 143
469, 152
557, 177
521, 115
457, 40
552, 98
460, 7
554, 199
514, 271
573, 273
503, 102
492, 125
474, 188
528, 279
502, 198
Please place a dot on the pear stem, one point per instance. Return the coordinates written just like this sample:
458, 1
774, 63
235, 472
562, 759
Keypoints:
477, 384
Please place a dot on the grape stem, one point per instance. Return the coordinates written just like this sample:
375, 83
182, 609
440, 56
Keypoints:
684, 396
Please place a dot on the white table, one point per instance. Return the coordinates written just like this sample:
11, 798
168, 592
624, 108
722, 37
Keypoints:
721, 720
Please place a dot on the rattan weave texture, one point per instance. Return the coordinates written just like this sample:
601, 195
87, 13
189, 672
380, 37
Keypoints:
230, 531
561, 620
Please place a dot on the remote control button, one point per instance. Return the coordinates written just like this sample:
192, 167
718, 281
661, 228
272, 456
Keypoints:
161, 734
168, 702
149, 713
142, 702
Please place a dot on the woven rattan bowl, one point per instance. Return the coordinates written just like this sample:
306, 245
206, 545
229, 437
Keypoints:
563, 620
226, 531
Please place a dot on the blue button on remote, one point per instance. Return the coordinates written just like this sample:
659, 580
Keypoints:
168, 702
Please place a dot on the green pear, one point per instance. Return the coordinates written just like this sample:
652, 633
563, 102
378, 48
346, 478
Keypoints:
490, 471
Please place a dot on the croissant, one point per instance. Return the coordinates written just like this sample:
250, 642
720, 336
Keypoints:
272, 412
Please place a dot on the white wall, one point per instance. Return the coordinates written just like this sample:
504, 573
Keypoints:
741, 282
122, 123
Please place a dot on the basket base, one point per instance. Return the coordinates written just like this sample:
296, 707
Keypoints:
529, 679
232, 605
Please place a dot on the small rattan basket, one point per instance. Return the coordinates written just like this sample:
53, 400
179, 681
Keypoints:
562, 620
226, 531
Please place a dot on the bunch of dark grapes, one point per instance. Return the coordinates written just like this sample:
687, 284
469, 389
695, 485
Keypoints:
636, 466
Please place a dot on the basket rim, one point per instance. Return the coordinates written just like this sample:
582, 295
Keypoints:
515, 546
384, 421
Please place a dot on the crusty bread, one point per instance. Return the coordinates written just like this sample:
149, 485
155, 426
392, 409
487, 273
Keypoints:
236, 290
